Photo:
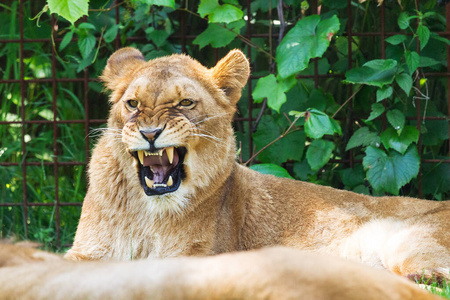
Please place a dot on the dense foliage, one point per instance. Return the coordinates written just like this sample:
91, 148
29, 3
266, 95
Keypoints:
354, 128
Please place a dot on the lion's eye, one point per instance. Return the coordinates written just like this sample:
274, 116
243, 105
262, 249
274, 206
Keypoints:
132, 103
186, 102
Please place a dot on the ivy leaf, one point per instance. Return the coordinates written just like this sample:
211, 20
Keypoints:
288, 148
66, 40
377, 110
397, 119
353, 177
384, 92
309, 38
271, 169
389, 172
319, 153
318, 124
207, 7
396, 39
111, 33
424, 35
168, 3
363, 137
217, 13
226, 14
70, 10
403, 20
218, 36
269, 87
378, 72
436, 178
400, 143
405, 82
86, 43
412, 60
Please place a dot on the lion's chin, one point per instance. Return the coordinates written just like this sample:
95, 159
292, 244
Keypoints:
160, 171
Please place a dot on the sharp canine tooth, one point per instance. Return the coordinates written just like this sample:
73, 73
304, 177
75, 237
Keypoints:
160, 153
141, 157
169, 152
148, 182
170, 181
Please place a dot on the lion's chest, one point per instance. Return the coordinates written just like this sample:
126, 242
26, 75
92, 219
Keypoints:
158, 240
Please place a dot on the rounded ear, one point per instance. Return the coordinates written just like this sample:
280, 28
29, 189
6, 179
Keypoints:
119, 64
231, 74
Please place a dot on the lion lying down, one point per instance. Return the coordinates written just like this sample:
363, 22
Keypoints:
276, 273
164, 182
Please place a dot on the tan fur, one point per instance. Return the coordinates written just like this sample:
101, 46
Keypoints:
23, 253
222, 206
277, 273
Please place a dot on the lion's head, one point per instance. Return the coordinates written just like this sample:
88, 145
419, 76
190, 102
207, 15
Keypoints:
174, 117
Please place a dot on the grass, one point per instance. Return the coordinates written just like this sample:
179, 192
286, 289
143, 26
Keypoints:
442, 290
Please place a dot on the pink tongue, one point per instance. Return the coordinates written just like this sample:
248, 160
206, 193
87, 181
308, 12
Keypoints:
161, 165
159, 173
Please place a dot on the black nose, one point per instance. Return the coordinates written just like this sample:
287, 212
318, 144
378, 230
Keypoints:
151, 134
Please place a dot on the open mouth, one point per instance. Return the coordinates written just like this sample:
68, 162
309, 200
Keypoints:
161, 171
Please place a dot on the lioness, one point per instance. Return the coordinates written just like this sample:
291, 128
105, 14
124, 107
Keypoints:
164, 182
276, 273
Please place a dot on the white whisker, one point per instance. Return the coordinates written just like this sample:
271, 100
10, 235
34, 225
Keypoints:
209, 118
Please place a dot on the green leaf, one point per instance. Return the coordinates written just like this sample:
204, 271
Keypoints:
436, 178
226, 14
389, 172
290, 147
168, 3
271, 169
377, 110
353, 177
217, 13
70, 10
424, 35
86, 26
427, 62
309, 38
396, 39
384, 92
318, 124
111, 33
335, 4
217, 35
207, 7
269, 87
378, 72
412, 60
397, 119
86, 43
319, 153
405, 82
403, 20
400, 143
66, 40
363, 137
159, 37
440, 38
302, 170
85, 62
